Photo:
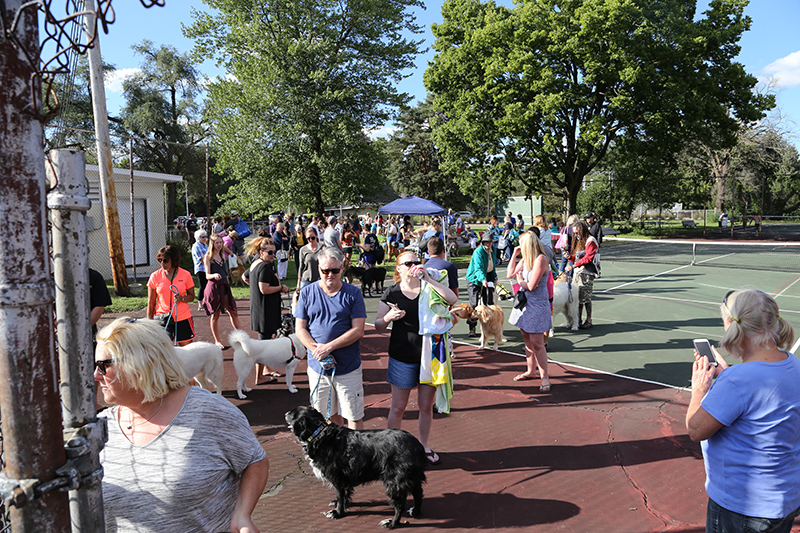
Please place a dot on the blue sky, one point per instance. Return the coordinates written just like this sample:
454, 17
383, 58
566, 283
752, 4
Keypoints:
771, 49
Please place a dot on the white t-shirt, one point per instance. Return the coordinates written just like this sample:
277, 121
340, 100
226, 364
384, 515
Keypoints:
187, 478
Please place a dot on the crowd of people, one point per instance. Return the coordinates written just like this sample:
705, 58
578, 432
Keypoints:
747, 408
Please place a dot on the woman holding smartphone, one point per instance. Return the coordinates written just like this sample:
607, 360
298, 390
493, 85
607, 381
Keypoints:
748, 419
400, 307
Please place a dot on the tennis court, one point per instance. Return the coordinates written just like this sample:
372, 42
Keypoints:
651, 301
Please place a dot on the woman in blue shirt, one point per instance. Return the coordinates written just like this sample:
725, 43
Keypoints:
748, 419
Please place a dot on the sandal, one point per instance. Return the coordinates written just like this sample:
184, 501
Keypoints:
585, 325
433, 458
545, 388
523, 377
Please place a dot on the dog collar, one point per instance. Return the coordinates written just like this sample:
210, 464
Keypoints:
317, 432
294, 353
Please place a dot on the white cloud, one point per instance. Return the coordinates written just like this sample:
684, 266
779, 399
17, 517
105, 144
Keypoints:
384, 131
113, 80
785, 71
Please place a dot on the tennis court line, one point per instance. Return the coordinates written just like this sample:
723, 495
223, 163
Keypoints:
648, 277
787, 287
713, 304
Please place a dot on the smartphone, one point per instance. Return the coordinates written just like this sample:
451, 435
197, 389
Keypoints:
703, 347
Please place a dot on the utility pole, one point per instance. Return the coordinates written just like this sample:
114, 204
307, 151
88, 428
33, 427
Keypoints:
110, 212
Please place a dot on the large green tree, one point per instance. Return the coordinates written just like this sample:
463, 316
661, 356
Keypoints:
541, 91
304, 81
415, 160
163, 114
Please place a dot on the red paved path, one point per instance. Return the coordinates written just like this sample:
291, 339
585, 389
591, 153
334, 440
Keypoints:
597, 453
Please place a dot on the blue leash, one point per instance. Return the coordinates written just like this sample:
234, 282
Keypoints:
330, 393
173, 313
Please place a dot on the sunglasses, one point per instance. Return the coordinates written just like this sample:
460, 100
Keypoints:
268, 252
311, 238
163, 260
725, 299
102, 365
325, 272
409, 264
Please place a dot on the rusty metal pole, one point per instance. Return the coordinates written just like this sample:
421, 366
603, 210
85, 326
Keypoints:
84, 435
110, 211
31, 421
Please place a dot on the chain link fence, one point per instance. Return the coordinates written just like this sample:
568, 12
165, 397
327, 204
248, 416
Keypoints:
158, 184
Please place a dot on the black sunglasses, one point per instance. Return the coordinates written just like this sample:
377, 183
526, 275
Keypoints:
102, 365
330, 271
725, 299
409, 264
163, 260
311, 238
269, 252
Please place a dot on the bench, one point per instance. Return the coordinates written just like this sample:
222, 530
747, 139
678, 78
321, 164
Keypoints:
609, 232
689, 223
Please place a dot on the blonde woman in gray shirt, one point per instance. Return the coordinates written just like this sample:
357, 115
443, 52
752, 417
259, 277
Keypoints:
178, 458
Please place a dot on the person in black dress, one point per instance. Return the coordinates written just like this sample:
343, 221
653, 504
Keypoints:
265, 294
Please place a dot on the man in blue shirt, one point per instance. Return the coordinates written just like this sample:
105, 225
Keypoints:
330, 323
437, 261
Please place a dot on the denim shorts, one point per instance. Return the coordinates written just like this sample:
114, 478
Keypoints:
721, 520
403, 375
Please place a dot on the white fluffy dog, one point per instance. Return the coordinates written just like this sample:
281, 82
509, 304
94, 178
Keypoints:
563, 304
203, 361
283, 352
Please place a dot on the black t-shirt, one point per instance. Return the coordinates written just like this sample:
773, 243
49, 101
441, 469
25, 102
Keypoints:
98, 295
405, 343
191, 225
265, 309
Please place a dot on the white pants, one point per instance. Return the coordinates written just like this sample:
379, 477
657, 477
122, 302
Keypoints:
282, 258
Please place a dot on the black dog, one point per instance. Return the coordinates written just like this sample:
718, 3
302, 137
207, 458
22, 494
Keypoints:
370, 278
345, 458
287, 325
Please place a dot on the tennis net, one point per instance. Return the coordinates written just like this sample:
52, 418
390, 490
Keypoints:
776, 256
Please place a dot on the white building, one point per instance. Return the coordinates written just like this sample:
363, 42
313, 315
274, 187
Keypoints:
149, 223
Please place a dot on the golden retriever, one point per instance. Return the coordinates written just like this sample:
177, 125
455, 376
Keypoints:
235, 276
492, 319
461, 311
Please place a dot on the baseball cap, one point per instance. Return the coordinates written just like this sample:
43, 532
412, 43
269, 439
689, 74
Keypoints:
234, 213
589, 215
487, 237
332, 219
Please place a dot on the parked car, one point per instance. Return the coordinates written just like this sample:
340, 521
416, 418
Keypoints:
464, 214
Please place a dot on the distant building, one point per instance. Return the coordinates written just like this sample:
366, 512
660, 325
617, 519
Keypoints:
149, 219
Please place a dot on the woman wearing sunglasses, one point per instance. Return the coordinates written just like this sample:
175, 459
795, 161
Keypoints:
748, 419
308, 272
265, 296
400, 307
178, 458
218, 295
169, 291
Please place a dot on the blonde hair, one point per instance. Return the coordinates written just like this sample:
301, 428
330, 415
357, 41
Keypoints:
572, 220
211, 240
754, 318
144, 356
531, 248
256, 244
539, 222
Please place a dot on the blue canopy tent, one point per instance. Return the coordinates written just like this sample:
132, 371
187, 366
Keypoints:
413, 205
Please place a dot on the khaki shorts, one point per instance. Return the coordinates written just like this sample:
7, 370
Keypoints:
348, 392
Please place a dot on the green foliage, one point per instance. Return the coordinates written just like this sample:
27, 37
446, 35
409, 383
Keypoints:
305, 80
415, 161
541, 91
160, 105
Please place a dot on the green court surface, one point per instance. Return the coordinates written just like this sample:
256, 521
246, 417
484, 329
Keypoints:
647, 314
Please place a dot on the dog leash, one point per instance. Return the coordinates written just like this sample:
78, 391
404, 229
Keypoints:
569, 285
330, 392
173, 312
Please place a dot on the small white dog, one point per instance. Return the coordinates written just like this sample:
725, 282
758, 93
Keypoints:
203, 361
564, 304
283, 352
